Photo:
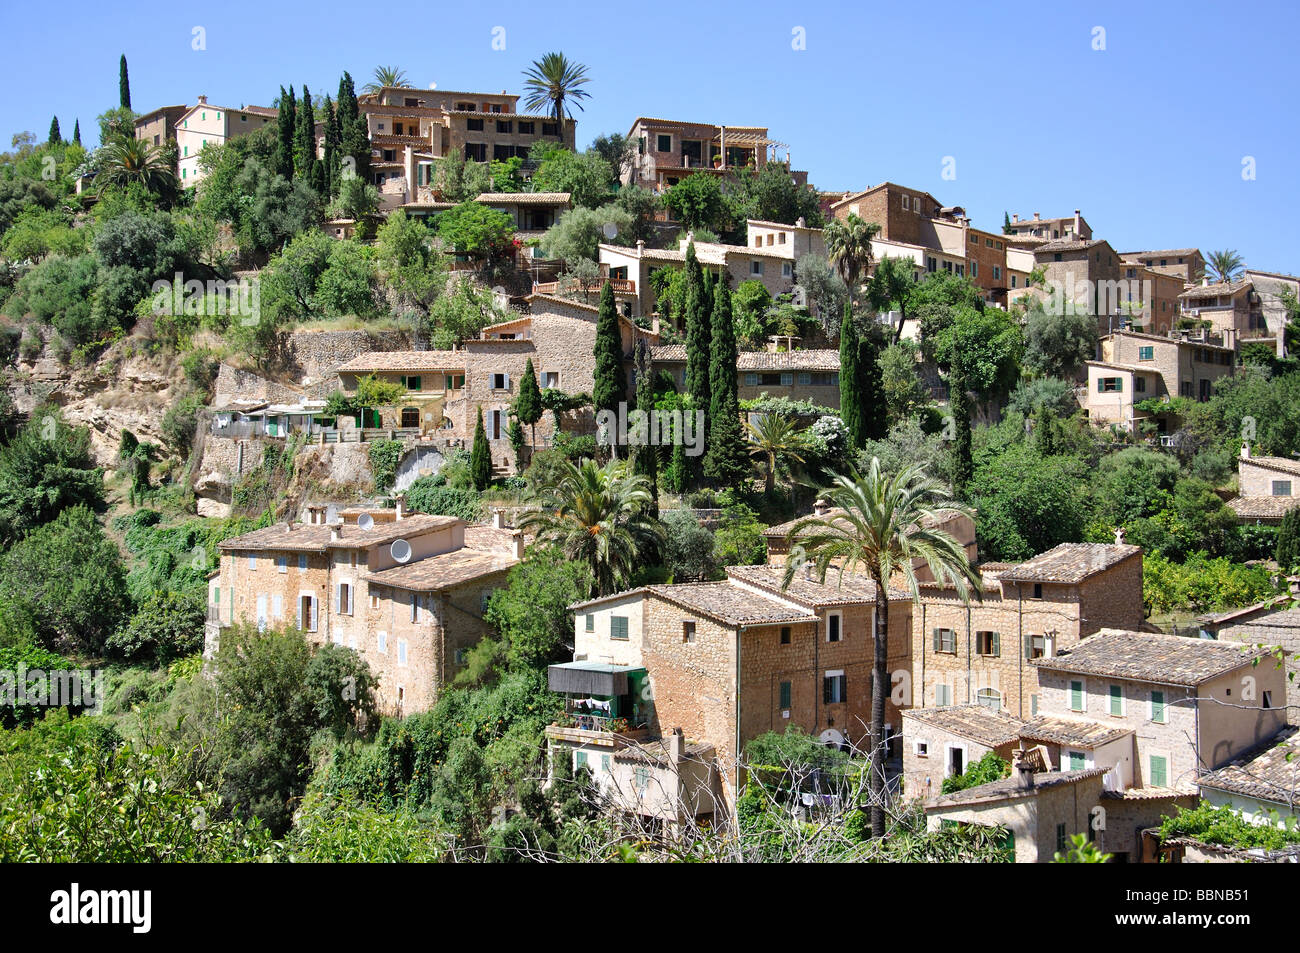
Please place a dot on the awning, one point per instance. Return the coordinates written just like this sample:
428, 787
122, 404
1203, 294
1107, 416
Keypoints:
589, 678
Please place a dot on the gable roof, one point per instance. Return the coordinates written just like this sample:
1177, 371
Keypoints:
1012, 788
1069, 731
849, 590
1216, 289
1151, 657
817, 359
443, 571
404, 361
1268, 772
993, 729
1071, 562
318, 537
1274, 463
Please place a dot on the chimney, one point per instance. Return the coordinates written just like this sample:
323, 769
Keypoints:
336, 533
801, 222
1245, 450
640, 247
517, 544
676, 747
1021, 770
1036, 217
203, 100
1049, 645
1015, 217
1119, 535
288, 526
498, 518
821, 507
1078, 224
399, 500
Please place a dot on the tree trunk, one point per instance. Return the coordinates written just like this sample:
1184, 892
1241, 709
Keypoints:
879, 693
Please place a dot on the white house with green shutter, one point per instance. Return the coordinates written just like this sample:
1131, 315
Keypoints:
1177, 707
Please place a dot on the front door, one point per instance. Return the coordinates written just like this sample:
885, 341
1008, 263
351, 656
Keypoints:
495, 425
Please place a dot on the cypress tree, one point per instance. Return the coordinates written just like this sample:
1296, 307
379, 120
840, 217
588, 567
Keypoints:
480, 457
76, 132
333, 144
353, 133
528, 402
285, 131
851, 409
646, 459
1288, 540
515, 434
676, 478
959, 406
699, 342
726, 460
871, 387
55, 136
610, 386
123, 84
304, 137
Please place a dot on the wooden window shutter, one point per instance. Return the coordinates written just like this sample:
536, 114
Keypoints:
938, 640
826, 691
995, 644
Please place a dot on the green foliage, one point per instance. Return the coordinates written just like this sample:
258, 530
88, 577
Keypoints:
45, 469
408, 263
460, 315
18, 658
530, 615
750, 303
1201, 584
904, 393
906, 443
61, 291
316, 275
585, 176
738, 540
986, 769
385, 456
1033, 396
726, 460
474, 229
610, 387
769, 194
480, 459
698, 203
166, 626
1225, 827
1027, 503
578, 232
63, 585
1288, 541
1082, 851
338, 830
688, 547
425, 495
1056, 345
793, 750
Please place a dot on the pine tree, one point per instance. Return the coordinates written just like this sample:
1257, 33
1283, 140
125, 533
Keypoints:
304, 137
123, 84
646, 459
610, 387
852, 411
726, 461
333, 148
55, 136
353, 132
480, 457
1006, 223
285, 131
528, 402
76, 132
959, 407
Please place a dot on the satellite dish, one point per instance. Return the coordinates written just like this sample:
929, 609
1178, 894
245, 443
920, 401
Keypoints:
400, 550
366, 522
610, 230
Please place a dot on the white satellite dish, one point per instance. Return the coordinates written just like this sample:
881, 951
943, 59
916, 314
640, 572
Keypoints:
366, 522
400, 550
610, 230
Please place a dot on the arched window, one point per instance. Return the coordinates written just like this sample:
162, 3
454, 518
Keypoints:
989, 698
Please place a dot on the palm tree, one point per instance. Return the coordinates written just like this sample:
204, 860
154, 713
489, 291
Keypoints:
387, 76
848, 244
778, 442
599, 516
127, 159
881, 525
551, 81
1226, 265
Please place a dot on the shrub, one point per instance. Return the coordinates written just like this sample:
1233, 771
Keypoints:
427, 496
688, 550
31, 659
166, 626
986, 769
1201, 584
385, 456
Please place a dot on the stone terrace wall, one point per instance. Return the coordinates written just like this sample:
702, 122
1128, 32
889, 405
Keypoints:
318, 353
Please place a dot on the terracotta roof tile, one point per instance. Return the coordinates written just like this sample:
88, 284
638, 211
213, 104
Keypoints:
850, 589
1070, 562
405, 361
443, 571
1269, 772
730, 604
1082, 734
976, 722
1150, 657
1011, 788
305, 537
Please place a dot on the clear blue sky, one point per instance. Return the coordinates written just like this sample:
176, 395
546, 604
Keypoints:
1146, 137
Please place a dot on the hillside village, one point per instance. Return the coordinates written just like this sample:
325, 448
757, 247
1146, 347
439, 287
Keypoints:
545, 501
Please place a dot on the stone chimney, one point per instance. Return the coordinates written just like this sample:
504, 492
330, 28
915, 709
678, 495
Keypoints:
801, 222
1245, 450
821, 507
517, 544
203, 100
640, 247
1037, 217
288, 526
1119, 535
498, 518
399, 501
1015, 217
676, 747
1021, 770
336, 533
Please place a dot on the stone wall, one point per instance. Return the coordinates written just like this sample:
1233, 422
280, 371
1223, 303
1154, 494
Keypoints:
318, 353
234, 383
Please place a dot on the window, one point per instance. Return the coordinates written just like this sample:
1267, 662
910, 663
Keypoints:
785, 635
921, 749
663, 143
997, 272
606, 764
805, 378
401, 651
1158, 714
905, 201
591, 621
1267, 700
1038, 590
550, 129
343, 599
415, 607
503, 125
500, 381
216, 595
974, 268
374, 599
942, 695
460, 656
410, 418
1146, 353
786, 691
1077, 760
302, 562
945, 640
787, 378
1033, 704
1159, 773
974, 239
252, 560
642, 776
1035, 646
476, 151
688, 632
453, 382
1060, 837
550, 380
1107, 385
751, 380
281, 563
1139, 385
525, 128
1076, 696
833, 688
474, 125
381, 642
988, 643
833, 627
411, 382
1117, 700
756, 268
618, 627
989, 698
579, 760
1281, 487
787, 269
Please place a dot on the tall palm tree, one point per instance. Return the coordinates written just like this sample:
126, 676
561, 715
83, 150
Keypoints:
126, 159
848, 244
880, 525
387, 76
1226, 265
599, 516
778, 442
551, 82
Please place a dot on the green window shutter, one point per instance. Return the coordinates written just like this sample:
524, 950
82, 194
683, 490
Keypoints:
1159, 772
618, 627
1009, 847
1116, 700
579, 759
785, 695
1076, 696
415, 383
1029, 646
826, 690
1101, 385
1158, 707
996, 644
938, 640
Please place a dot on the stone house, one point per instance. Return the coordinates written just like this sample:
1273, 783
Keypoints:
1262, 785
1226, 307
1135, 367
981, 652
1267, 488
203, 124
941, 742
446, 389
1183, 264
812, 375
1271, 287
1272, 622
728, 661
667, 151
531, 213
1067, 228
405, 591
1192, 704
159, 126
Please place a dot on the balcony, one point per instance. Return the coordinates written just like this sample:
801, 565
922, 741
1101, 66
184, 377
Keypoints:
620, 286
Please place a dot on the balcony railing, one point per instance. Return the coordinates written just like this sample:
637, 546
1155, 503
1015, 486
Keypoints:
623, 285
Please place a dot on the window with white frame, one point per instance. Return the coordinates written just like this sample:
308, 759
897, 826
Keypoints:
401, 651
343, 599
756, 268
281, 563
921, 748
834, 626
834, 688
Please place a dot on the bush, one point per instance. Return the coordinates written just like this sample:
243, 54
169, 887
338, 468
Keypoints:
166, 626
688, 549
1227, 828
33, 660
1201, 584
427, 496
986, 769
385, 457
